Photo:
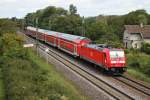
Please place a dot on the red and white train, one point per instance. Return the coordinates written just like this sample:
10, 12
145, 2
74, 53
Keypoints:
111, 59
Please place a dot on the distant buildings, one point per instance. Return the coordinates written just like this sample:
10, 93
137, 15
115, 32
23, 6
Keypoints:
134, 35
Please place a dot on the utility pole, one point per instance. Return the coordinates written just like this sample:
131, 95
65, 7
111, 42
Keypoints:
49, 22
22, 25
36, 22
83, 26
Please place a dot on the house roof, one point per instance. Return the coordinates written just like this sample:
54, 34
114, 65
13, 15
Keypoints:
145, 30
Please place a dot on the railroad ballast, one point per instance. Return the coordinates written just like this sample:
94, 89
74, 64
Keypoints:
111, 59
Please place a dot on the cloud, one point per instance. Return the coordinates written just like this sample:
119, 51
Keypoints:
19, 8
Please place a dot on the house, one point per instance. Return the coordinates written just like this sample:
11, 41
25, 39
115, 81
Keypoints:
134, 35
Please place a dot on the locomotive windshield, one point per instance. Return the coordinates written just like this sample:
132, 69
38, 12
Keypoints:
116, 54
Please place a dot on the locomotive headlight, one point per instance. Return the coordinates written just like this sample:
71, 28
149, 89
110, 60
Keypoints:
122, 61
113, 62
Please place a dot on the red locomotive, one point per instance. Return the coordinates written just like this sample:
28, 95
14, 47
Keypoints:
111, 59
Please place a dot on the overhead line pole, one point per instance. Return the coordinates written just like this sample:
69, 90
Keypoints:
83, 27
36, 22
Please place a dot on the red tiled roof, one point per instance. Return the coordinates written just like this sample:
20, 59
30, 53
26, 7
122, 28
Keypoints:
145, 30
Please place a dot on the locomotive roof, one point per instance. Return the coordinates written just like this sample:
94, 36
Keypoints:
98, 46
72, 37
102, 46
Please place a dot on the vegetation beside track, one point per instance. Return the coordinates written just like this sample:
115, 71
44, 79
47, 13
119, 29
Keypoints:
33, 79
24, 76
2, 88
138, 64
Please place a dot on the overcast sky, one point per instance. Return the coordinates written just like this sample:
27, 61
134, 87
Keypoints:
19, 8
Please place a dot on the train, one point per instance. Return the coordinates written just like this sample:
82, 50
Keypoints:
110, 59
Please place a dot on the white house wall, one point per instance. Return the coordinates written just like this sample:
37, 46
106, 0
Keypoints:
135, 37
147, 40
132, 40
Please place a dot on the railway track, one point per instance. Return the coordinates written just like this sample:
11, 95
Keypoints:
134, 84
137, 82
112, 91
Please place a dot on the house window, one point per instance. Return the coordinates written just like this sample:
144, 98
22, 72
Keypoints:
126, 45
136, 46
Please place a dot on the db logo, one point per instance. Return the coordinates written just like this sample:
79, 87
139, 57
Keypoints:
91, 53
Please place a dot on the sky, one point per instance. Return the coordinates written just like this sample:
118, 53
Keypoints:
19, 8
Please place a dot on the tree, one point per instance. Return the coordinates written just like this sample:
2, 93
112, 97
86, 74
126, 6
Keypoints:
143, 19
68, 24
136, 17
7, 25
12, 45
72, 9
97, 30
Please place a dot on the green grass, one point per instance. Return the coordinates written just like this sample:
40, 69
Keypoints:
138, 64
31, 78
2, 89
138, 75
58, 82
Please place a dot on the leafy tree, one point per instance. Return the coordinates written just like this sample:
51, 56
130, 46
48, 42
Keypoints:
12, 45
7, 25
68, 24
136, 17
149, 19
72, 9
97, 29
143, 19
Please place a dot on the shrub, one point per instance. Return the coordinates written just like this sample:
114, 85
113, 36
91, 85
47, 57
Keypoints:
145, 48
126, 51
139, 61
135, 64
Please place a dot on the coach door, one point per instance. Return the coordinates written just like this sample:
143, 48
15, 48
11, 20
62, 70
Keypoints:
58, 43
104, 58
75, 49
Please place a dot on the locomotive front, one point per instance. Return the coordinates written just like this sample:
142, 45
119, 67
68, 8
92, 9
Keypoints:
117, 61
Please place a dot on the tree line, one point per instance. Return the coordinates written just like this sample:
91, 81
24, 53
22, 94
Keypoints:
101, 29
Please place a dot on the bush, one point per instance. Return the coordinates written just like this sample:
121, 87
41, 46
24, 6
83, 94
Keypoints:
146, 48
126, 51
139, 61
134, 64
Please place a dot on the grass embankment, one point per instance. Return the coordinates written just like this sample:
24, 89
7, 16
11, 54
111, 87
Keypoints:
59, 82
33, 79
2, 88
139, 65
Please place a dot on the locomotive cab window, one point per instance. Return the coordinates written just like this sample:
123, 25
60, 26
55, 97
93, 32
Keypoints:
116, 54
